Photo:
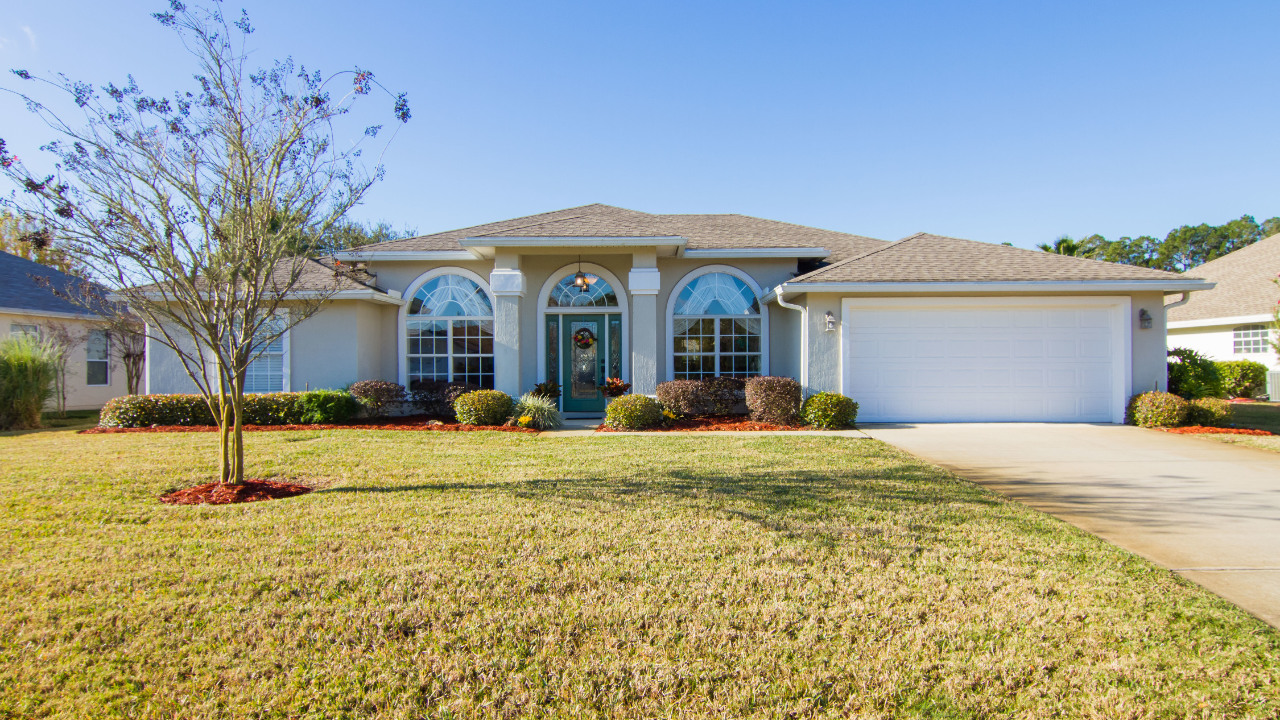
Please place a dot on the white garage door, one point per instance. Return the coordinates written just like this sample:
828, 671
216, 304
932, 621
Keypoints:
987, 359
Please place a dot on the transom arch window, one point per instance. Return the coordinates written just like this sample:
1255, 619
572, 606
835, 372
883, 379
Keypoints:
596, 293
449, 332
1250, 339
717, 328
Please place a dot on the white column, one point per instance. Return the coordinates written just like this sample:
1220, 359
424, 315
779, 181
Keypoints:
508, 286
644, 282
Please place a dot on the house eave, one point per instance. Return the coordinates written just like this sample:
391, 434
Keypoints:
49, 314
1210, 322
747, 253
406, 255
1016, 287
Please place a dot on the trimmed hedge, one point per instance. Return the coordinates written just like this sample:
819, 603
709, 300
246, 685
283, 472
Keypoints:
774, 399
829, 410
1242, 378
323, 407
633, 412
483, 407
377, 394
436, 397
1156, 409
713, 396
1209, 412
1192, 375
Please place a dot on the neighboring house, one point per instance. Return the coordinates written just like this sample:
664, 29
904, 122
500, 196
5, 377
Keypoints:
33, 301
928, 328
1234, 320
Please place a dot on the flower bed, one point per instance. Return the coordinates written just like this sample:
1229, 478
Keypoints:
713, 422
1203, 430
216, 493
417, 422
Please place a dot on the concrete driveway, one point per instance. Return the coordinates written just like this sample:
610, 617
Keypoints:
1207, 510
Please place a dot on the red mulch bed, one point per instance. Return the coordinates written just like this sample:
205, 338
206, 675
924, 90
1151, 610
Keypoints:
712, 422
414, 422
1203, 430
216, 493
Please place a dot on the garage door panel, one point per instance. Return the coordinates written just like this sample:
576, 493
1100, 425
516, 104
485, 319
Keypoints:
977, 363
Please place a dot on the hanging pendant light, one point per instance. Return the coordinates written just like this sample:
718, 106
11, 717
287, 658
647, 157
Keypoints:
580, 278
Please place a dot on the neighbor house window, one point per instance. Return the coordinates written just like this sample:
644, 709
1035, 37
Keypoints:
716, 326
265, 373
1250, 339
98, 358
449, 332
19, 330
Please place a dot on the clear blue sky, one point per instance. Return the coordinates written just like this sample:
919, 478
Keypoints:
997, 121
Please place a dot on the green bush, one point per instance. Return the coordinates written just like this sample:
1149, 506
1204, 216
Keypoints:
633, 412
326, 407
1192, 375
28, 370
1157, 409
713, 396
376, 394
483, 407
541, 411
828, 410
774, 400
1209, 412
549, 389
436, 397
1242, 378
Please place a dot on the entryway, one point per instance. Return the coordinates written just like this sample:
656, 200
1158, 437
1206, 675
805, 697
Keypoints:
583, 350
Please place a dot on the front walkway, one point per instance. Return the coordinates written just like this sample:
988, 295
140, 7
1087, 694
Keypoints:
1207, 510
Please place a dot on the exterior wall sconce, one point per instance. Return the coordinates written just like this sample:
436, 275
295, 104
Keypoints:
831, 321
1144, 319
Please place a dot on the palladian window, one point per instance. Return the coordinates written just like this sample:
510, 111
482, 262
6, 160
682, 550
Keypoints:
450, 332
716, 324
591, 291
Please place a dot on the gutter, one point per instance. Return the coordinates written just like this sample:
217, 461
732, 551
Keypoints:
1048, 286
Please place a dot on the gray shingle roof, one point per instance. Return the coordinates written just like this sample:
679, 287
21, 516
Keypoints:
26, 286
701, 231
1245, 284
934, 258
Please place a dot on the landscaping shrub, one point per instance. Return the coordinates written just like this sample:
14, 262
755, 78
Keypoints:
28, 370
1209, 412
633, 412
376, 395
436, 397
483, 407
549, 389
540, 411
713, 396
774, 400
1192, 375
1242, 378
326, 407
829, 410
1157, 409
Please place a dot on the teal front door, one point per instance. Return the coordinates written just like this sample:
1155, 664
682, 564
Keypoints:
584, 355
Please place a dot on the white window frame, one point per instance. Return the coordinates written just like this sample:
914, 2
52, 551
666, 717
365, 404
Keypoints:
1250, 334
106, 360
404, 317
671, 309
20, 329
285, 361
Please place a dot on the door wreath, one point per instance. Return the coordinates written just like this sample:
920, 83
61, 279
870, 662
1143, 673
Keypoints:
584, 338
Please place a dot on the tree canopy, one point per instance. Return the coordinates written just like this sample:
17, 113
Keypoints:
1181, 249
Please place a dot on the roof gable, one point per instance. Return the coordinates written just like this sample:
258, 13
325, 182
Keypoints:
1245, 284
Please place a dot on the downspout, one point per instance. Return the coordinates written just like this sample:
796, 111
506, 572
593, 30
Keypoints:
1185, 297
804, 335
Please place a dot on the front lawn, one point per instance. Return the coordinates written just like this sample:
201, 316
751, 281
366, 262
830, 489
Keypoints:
1260, 416
501, 575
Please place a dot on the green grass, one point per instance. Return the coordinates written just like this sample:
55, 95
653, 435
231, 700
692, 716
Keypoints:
1261, 416
503, 575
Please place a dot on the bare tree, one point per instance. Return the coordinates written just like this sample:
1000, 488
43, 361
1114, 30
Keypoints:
65, 338
188, 206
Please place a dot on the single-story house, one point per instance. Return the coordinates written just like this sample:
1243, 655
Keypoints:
34, 300
1234, 320
927, 328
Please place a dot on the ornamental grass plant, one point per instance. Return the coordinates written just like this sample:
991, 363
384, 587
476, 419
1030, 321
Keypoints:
540, 411
28, 370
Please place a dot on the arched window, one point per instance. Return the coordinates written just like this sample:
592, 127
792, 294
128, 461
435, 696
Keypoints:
716, 328
1250, 339
449, 330
595, 293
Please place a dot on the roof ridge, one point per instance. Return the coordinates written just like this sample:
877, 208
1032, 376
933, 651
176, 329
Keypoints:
552, 220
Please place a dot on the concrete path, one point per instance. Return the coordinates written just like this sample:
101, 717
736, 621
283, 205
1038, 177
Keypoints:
1207, 510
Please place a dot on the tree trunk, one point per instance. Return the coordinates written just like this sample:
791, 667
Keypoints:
237, 438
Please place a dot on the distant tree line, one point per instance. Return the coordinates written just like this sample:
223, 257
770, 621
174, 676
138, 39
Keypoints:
1182, 249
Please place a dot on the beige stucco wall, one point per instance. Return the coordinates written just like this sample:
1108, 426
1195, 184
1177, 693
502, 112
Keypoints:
80, 395
1147, 369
